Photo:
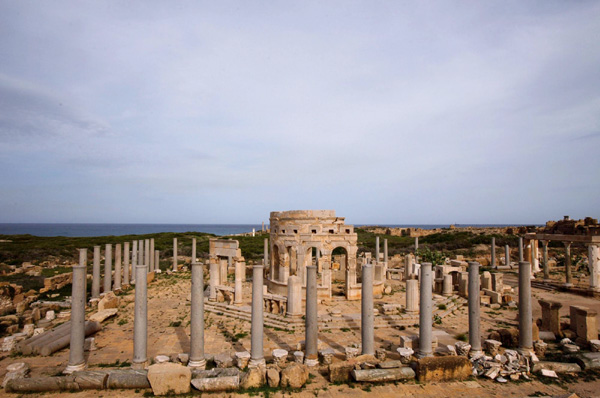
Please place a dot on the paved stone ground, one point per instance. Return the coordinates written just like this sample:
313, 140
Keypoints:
168, 333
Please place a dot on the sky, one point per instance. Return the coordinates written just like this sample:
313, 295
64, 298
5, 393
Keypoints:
220, 112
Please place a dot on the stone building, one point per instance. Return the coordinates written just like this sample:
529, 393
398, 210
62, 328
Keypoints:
300, 238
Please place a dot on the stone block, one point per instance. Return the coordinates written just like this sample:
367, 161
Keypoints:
253, 378
294, 376
587, 328
110, 300
381, 375
273, 377
169, 378
443, 368
341, 372
495, 297
558, 367
103, 315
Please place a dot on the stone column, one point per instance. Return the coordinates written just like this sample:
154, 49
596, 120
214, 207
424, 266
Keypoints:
76, 358
134, 259
412, 296
426, 313
416, 243
157, 260
96, 273
266, 255
294, 301
140, 321
545, 259
108, 268
174, 254
520, 249
493, 260
118, 252
376, 249
385, 251
447, 285
141, 253
257, 358
193, 250
568, 274
474, 310
213, 280
126, 263
594, 266
311, 319
151, 251
535, 264
507, 255
367, 318
197, 359
525, 316
147, 255
240, 275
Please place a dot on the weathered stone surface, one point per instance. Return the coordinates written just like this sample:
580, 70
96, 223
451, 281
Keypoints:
588, 360
241, 359
294, 376
273, 377
444, 368
128, 378
15, 371
340, 372
223, 360
390, 364
405, 354
110, 300
379, 375
166, 378
220, 383
41, 384
253, 378
558, 367
103, 315
91, 380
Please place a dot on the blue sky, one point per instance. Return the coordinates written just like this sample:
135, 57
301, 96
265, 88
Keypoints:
220, 112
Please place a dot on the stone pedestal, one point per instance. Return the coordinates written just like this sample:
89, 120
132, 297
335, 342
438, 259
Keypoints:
463, 284
108, 268
96, 273
426, 313
525, 316
257, 358
311, 357
486, 280
197, 359
498, 282
551, 316
140, 321
474, 309
76, 358
412, 296
447, 285
367, 317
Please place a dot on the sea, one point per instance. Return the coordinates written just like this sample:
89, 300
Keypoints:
75, 230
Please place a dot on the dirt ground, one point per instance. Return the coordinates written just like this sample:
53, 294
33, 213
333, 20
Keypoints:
168, 333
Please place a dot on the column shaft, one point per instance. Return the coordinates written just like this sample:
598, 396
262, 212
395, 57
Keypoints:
545, 259
107, 268
157, 260
118, 254
76, 358
256, 335
426, 313
525, 316
134, 259
151, 251
240, 272
568, 273
140, 323
507, 256
96, 273
493, 260
126, 263
474, 308
193, 250
376, 249
520, 249
311, 318
385, 250
197, 317
174, 254
367, 318
147, 256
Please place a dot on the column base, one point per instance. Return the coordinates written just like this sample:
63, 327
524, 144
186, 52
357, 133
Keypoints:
420, 354
74, 368
474, 353
139, 365
568, 285
311, 362
199, 364
257, 363
526, 352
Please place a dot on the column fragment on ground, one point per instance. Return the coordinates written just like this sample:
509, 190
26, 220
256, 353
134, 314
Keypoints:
96, 273
525, 315
107, 268
76, 358
311, 319
118, 253
140, 321
257, 358
474, 309
426, 313
366, 318
197, 359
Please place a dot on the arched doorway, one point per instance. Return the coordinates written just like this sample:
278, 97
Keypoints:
339, 268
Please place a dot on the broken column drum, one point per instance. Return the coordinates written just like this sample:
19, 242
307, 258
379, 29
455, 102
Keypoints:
311, 320
525, 315
426, 313
140, 322
107, 268
474, 309
197, 359
256, 334
447, 285
76, 358
367, 317
96, 273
